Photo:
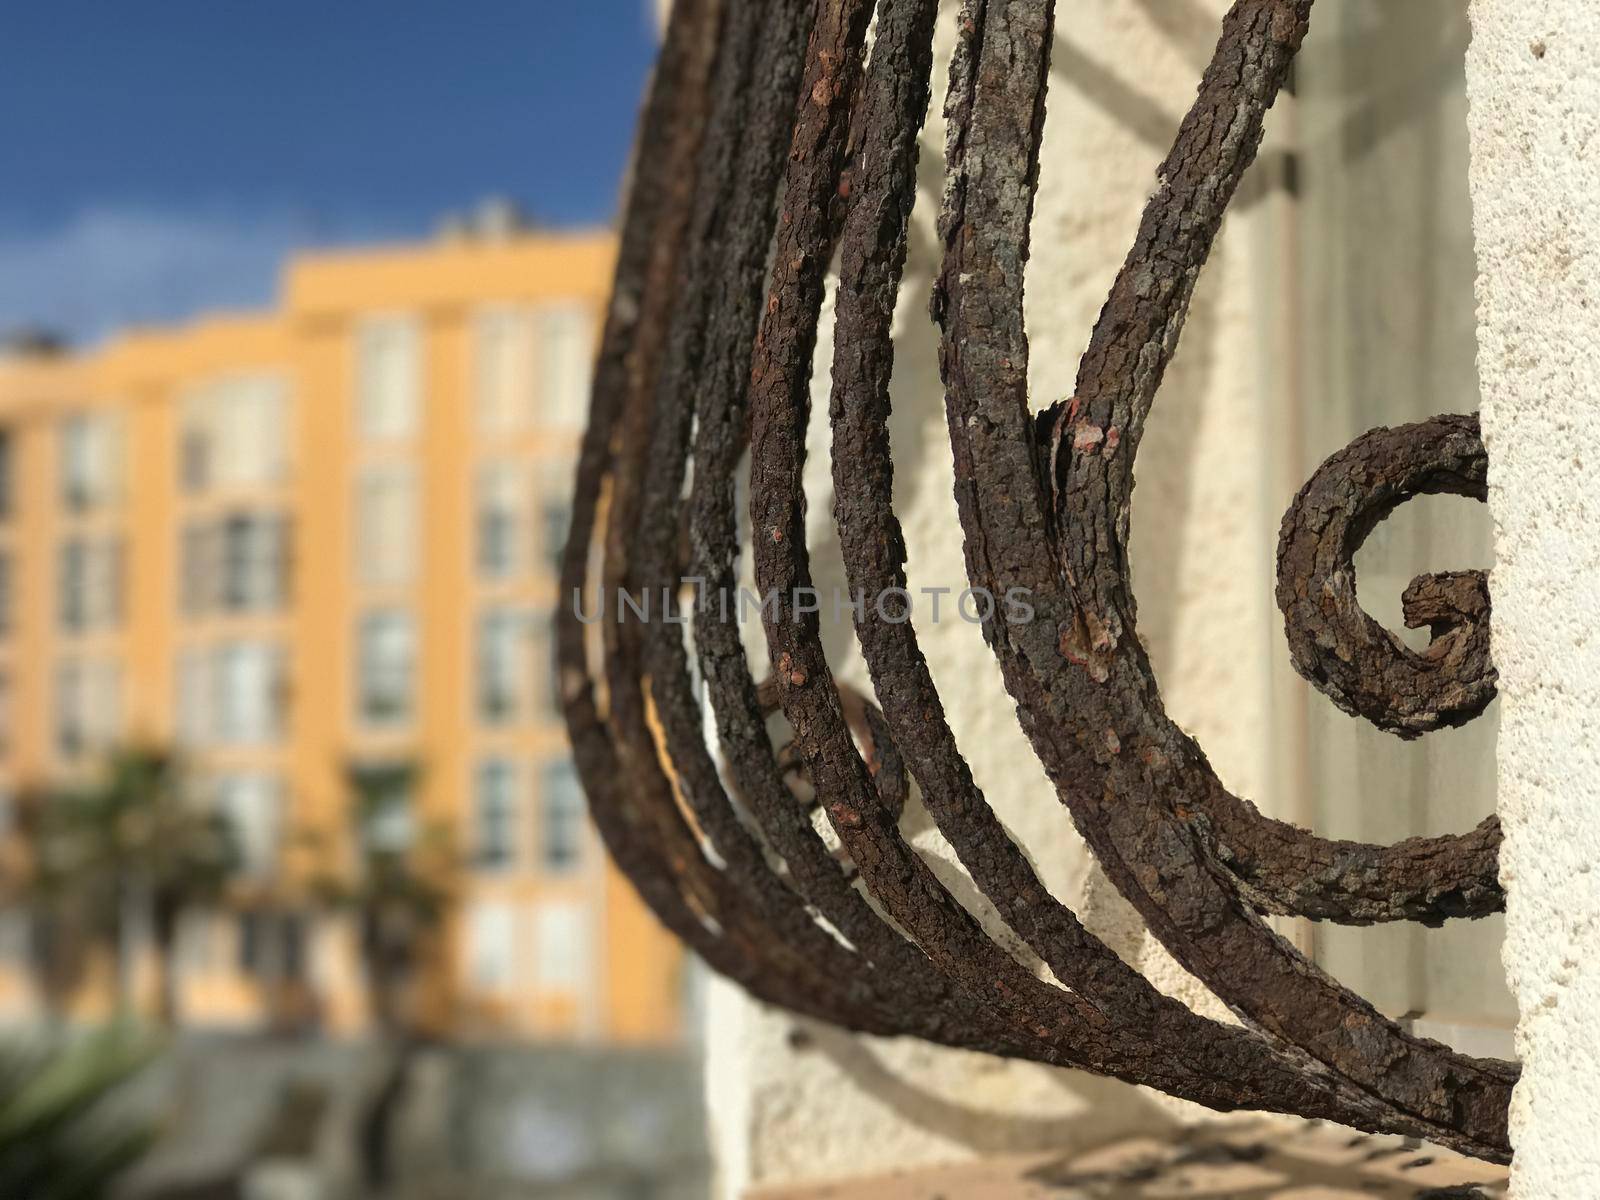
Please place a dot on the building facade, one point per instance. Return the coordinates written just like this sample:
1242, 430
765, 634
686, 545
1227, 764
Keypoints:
314, 548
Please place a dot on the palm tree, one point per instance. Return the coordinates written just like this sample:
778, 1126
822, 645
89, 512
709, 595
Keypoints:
60, 1136
132, 841
393, 886
394, 889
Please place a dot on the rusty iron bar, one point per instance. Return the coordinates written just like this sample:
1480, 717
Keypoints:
773, 144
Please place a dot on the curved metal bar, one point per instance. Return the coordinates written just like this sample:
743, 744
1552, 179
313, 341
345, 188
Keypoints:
1044, 505
1139, 789
891, 988
631, 801
1349, 657
1149, 1033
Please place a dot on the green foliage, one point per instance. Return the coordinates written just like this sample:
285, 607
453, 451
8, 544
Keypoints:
134, 834
393, 885
61, 1136
135, 823
394, 869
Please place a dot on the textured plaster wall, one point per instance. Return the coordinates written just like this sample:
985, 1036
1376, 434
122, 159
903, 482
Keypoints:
792, 1101
1534, 89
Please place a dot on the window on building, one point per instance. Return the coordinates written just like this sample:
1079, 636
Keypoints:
88, 706
561, 947
7, 593
501, 505
77, 469
546, 670
556, 519
105, 705
89, 583
566, 350
72, 585
561, 808
555, 510
503, 370
388, 379
494, 802
7, 474
248, 693
251, 942
238, 563
251, 805
255, 440
197, 942
234, 433
383, 792
257, 944
271, 944
192, 723
91, 461
197, 568
254, 561
542, 674
386, 666
194, 448
106, 583
387, 528
502, 668
491, 945
293, 936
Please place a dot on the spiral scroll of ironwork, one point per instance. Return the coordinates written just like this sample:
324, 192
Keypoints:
773, 144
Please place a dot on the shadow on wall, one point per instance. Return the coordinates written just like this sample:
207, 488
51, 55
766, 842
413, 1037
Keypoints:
1247, 1158
1104, 1115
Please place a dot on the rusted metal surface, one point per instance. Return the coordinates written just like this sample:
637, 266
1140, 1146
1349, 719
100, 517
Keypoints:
772, 146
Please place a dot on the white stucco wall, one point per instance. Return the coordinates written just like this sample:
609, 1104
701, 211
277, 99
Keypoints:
791, 1101
1534, 88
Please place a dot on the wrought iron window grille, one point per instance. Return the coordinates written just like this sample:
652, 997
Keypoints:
741, 198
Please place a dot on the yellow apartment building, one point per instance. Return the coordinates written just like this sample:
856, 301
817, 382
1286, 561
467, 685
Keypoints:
316, 543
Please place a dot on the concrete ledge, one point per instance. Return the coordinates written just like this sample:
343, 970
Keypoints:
1250, 1160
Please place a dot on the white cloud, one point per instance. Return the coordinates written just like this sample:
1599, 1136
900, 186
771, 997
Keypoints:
107, 268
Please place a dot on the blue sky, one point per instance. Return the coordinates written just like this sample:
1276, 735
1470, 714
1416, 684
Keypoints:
159, 157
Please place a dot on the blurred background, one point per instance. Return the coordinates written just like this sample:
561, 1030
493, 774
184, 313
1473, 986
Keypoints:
298, 897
